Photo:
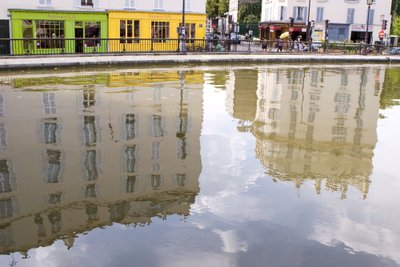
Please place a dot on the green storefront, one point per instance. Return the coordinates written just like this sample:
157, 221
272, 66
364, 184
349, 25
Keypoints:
52, 32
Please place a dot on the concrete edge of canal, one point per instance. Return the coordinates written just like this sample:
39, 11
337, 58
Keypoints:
37, 62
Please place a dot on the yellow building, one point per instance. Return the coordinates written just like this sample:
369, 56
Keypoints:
138, 31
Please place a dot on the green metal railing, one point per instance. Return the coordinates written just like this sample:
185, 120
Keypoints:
56, 46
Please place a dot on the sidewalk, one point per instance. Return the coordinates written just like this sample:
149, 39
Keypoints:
28, 62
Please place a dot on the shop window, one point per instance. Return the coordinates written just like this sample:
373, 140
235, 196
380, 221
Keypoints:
190, 30
27, 33
129, 29
92, 33
48, 33
159, 31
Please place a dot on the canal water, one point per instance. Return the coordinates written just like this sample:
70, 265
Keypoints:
254, 165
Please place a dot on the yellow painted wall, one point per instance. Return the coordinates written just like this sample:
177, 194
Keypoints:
145, 19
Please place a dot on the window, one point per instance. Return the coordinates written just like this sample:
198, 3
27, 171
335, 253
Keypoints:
187, 5
45, 2
129, 3
86, 2
350, 15
320, 14
300, 13
282, 13
190, 30
158, 4
159, 30
129, 29
93, 33
371, 17
49, 31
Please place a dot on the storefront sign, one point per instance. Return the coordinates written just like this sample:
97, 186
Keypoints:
61, 17
361, 27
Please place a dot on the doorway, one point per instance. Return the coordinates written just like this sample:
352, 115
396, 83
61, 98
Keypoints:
78, 37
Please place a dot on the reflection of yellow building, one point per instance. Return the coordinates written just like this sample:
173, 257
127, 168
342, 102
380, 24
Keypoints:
88, 155
127, 27
318, 124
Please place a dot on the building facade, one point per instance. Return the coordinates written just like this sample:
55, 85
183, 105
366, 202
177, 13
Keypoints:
347, 19
96, 19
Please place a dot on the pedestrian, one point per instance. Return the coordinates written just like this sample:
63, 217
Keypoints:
279, 45
264, 45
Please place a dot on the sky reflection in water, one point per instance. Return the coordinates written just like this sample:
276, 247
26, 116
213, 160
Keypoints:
248, 166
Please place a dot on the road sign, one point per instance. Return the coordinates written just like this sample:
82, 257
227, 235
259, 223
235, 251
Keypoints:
381, 34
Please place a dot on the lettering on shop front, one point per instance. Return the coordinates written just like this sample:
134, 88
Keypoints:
153, 16
61, 17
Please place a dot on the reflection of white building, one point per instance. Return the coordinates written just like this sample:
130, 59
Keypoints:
91, 150
318, 124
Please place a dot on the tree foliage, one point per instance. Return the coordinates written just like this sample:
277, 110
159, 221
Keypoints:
250, 12
215, 8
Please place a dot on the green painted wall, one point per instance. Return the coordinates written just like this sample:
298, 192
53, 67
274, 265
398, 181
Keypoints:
69, 18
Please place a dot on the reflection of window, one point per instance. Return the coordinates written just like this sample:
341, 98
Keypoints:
183, 125
6, 208
6, 236
90, 191
91, 212
129, 29
90, 164
89, 97
55, 220
130, 158
155, 181
39, 222
93, 33
49, 103
54, 165
48, 32
157, 126
1, 105
180, 179
182, 149
3, 136
130, 126
89, 129
50, 130
159, 30
5, 180
130, 184
155, 150
54, 198
337, 130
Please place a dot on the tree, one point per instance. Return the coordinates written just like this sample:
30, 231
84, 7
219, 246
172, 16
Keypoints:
249, 11
215, 8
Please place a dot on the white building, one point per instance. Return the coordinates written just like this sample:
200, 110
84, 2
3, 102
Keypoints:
347, 18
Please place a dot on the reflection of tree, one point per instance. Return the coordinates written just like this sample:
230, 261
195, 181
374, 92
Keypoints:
391, 89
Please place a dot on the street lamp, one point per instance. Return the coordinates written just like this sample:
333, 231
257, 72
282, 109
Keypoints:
369, 3
183, 31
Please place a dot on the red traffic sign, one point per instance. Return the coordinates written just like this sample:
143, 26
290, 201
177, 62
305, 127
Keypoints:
381, 34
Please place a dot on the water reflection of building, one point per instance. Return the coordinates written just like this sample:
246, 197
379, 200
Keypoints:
83, 152
318, 124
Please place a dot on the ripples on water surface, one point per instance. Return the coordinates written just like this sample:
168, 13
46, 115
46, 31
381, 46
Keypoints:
249, 166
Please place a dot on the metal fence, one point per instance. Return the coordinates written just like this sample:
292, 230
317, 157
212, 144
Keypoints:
55, 46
